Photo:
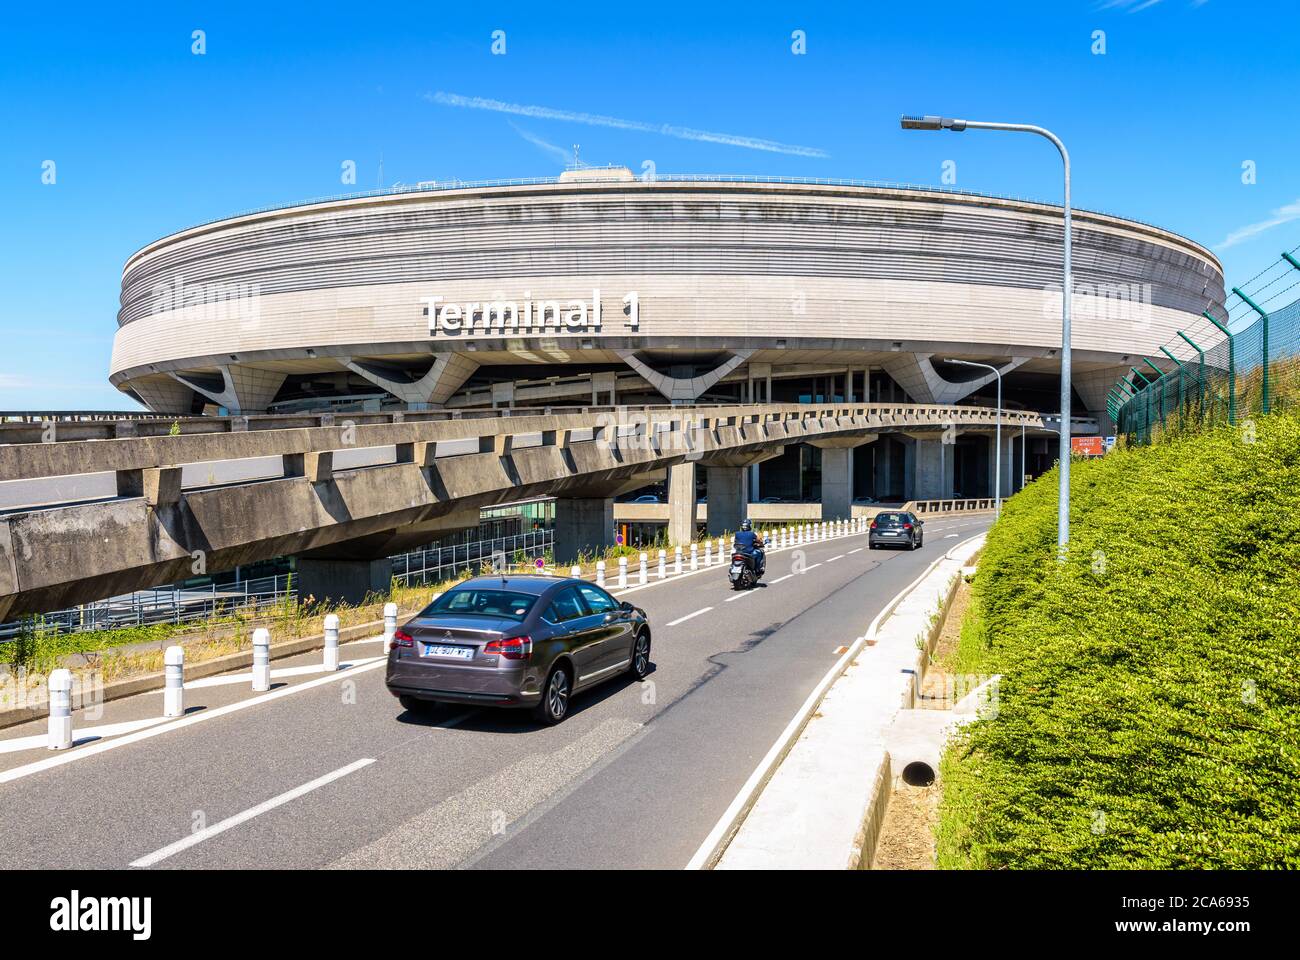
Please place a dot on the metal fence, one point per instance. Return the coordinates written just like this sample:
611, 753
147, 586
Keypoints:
259, 596
164, 605
1242, 362
443, 563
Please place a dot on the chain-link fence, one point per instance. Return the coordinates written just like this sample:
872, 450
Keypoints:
1242, 362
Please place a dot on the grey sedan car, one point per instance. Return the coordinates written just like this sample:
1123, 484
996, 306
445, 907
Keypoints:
897, 530
517, 641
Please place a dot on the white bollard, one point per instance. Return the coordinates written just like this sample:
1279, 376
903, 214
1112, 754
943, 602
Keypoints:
694, 558
331, 642
644, 571
722, 556
600, 573
708, 553
60, 687
262, 658
575, 571
663, 564
390, 625
622, 572
677, 560
174, 681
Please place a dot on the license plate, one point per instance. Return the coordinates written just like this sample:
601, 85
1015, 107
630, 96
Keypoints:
444, 650
891, 533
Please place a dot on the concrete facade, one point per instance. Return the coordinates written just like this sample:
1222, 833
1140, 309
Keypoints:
744, 291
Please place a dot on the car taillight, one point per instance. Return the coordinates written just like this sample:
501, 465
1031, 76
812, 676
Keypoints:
873, 524
401, 639
512, 648
907, 526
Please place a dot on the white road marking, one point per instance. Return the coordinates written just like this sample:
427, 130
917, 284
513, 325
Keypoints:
673, 623
230, 678
950, 536
779, 579
59, 759
858, 550
208, 832
838, 556
739, 596
80, 735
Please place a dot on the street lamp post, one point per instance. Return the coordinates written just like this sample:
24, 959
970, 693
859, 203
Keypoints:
997, 453
1067, 287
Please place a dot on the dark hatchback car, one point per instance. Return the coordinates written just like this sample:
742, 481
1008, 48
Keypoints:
517, 641
896, 529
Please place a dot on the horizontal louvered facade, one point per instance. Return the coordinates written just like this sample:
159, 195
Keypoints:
797, 273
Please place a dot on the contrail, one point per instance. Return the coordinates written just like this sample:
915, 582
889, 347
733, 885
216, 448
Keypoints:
558, 153
1282, 215
597, 120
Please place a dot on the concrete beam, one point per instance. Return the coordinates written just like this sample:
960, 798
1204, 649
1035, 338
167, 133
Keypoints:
162, 486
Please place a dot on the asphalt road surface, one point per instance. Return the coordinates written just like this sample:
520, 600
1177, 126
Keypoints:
328, 771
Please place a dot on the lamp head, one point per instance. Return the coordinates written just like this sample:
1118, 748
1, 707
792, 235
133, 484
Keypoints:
929, 122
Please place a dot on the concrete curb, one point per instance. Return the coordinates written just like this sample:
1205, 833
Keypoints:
145, 683
853, 713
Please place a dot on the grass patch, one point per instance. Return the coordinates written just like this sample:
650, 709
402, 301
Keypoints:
1149, 714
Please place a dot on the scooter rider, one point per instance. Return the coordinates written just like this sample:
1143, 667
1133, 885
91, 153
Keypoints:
747, 541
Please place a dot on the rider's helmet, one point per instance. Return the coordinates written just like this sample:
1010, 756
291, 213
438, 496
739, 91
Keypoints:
746, 524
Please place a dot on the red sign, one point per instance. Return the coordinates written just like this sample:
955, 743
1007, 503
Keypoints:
1087, 446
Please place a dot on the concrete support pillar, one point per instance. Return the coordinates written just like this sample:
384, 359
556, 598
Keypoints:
1010, 462
681, 503
727, 500
884, 478
583, 525
754, 495
837, 482
933, 470
347, 580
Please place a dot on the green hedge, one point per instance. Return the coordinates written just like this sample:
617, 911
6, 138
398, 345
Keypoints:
1149, 714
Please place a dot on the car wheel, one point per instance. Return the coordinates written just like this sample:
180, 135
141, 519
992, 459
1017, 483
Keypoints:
416, 705
640, 656
554, 705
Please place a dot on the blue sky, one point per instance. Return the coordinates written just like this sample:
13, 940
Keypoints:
148, 137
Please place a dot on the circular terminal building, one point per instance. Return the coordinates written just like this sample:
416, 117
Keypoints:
597, 287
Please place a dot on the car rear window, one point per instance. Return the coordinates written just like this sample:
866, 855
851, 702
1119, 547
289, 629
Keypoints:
483, 603
889, 519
